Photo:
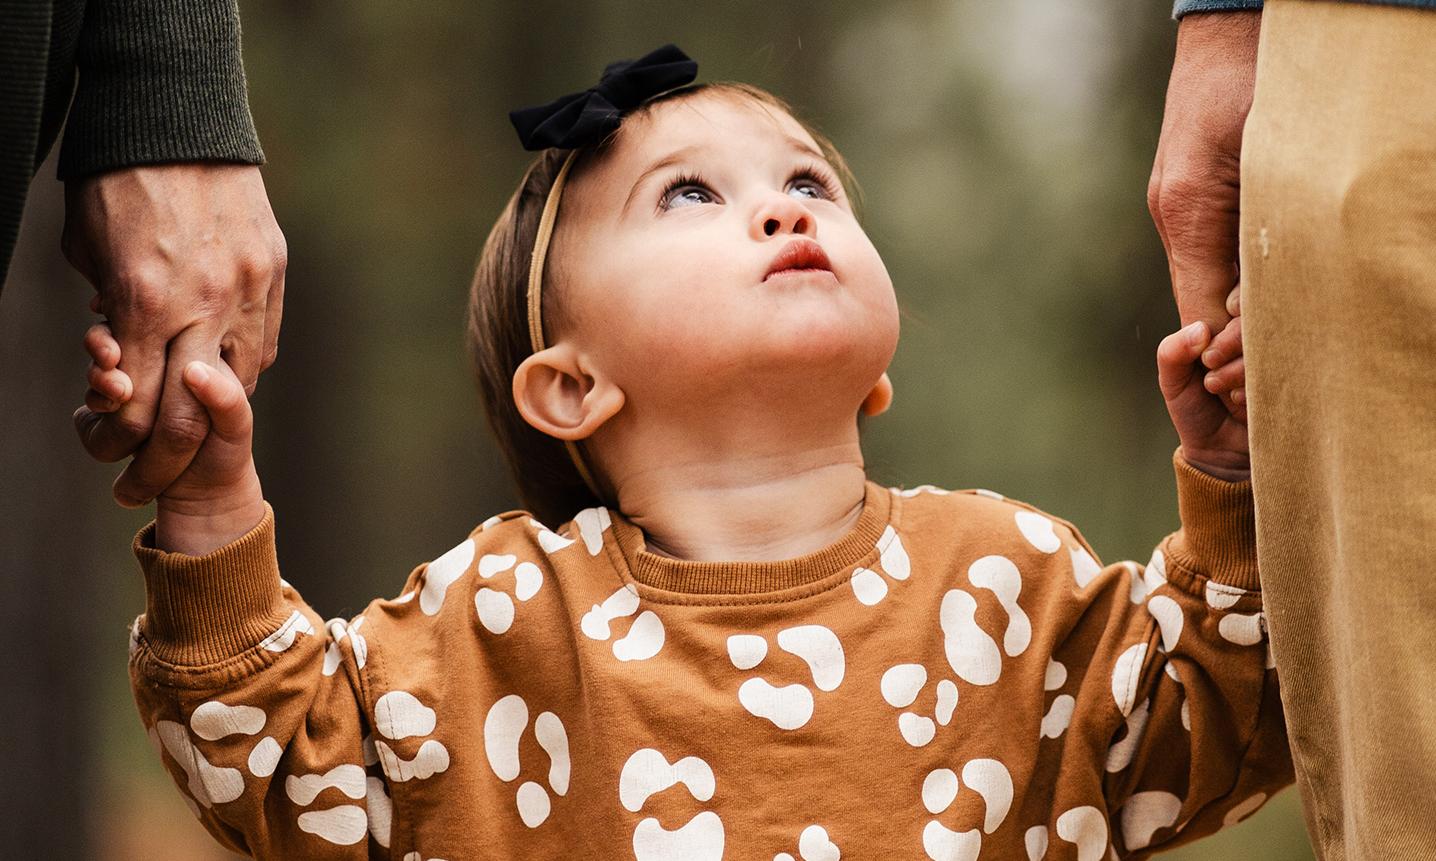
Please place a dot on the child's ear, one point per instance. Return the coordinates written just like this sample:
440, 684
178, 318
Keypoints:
558, 393
880, 398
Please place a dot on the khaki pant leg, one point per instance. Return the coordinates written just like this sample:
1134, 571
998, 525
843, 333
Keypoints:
1338, 257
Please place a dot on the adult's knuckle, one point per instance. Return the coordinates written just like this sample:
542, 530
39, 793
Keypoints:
1154, 194
140, 290
183, 431
254, 265
279, 253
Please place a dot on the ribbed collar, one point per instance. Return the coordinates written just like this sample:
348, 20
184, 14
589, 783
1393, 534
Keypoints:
657, 574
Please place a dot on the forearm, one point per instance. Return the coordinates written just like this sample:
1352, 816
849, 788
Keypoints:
199, 525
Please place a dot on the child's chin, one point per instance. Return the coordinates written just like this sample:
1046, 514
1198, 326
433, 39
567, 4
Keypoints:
820, 340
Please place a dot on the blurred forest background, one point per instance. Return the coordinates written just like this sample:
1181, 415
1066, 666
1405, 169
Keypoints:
1003, 148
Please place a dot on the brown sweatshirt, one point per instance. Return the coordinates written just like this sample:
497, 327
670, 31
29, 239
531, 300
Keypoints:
958, 677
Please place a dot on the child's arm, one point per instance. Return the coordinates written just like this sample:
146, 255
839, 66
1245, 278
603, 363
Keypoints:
1202, 740
258, 709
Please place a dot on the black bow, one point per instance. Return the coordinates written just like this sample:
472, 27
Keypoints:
583, 118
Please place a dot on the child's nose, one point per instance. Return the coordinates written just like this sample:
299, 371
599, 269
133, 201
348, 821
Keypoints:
780, 213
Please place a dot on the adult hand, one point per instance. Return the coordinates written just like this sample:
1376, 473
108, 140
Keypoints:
189, 265
1195, 191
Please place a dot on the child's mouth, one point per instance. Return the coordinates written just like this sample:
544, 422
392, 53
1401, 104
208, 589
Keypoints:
800, 257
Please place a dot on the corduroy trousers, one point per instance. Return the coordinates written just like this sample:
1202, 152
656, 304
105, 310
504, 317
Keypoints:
1338, 270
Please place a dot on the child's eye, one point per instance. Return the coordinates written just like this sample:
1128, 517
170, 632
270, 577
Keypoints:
686, 190
813, 183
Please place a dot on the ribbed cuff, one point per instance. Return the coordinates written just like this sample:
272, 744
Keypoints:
1218, 535
159, 81
1182, 7
201, 610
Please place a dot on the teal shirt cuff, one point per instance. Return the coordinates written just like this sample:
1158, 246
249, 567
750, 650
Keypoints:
1182, 7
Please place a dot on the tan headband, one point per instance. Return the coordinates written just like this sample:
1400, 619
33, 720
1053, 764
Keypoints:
535, 297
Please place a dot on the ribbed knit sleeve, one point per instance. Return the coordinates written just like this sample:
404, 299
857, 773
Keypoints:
1218, 535
204, 609
159, 81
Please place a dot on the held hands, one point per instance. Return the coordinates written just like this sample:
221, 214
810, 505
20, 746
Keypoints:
188, 264
217, 498
1198, 374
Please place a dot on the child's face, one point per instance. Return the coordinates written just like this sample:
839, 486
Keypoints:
670, 287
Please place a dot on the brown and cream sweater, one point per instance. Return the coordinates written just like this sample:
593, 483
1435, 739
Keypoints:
957, 678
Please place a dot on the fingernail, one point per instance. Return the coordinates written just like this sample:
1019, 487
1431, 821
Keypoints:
1210, 381
1193, 331
127, 501
1209, 358
199, 372
1239, 396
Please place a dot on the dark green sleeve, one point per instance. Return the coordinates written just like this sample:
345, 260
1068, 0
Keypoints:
159, 81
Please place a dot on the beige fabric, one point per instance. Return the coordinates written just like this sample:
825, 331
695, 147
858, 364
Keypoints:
958, 674
1338, 253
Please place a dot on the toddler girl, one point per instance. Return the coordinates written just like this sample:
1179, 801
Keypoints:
736, 646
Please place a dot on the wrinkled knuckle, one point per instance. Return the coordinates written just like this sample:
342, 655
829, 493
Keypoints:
254, 266
141, 291
1154, 195
185, 431
129, 430
1183, 195
279, 253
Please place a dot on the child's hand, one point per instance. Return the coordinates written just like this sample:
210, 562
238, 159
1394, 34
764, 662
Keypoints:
216, 497
1213, 434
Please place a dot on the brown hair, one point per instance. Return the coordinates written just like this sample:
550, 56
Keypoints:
498, 335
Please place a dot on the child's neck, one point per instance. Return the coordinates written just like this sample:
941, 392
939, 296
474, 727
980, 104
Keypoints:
767, 506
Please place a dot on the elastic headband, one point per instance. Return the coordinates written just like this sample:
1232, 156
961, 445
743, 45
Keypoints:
575, 121
535, 298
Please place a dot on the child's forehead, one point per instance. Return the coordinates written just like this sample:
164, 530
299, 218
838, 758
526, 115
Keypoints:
710, 121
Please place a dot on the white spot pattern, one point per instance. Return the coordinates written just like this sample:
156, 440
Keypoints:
813, 845
867, 584
1084, 568
972, 654
999, 575
442, 572
503, 727
1120, 754
643, 640
646, 772
285, 635
348, 779
1038, 530
791, 707
214, 720
1087, 828
1125, 675
344, 825
399, 715
1146, 812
